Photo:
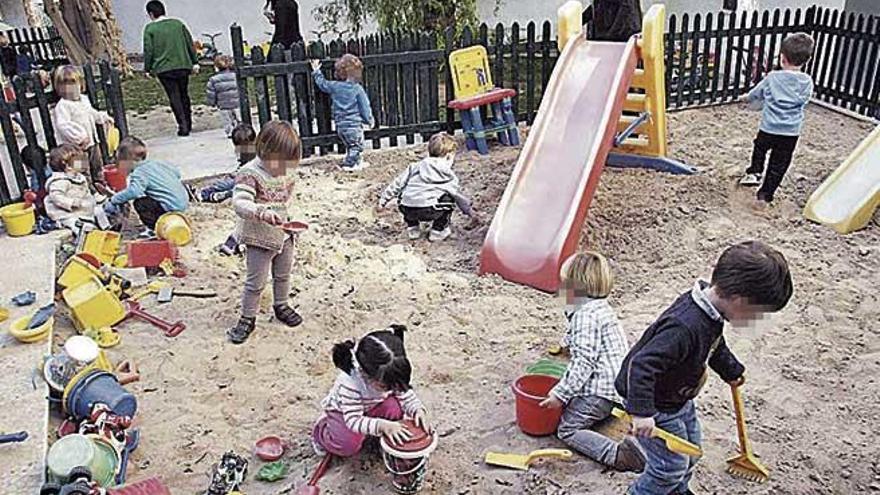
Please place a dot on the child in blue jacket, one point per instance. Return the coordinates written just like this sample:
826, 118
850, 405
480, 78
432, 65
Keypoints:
351, 107
154, 187
783, 96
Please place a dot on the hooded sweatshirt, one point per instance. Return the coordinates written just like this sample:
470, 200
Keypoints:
422, 184
784, 95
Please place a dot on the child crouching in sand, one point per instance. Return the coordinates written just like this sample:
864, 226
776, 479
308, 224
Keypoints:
428, 191
597, 346
371, 395
262, 190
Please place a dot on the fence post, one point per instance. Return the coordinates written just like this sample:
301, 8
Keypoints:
514, 67
530, 72
450, 90
43, 108
244, 102
118, 103
19, 176
546, 42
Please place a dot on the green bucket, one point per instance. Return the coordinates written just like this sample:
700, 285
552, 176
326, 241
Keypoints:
77, 450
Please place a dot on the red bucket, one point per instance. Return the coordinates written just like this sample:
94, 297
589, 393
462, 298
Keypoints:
115, 177
531, 418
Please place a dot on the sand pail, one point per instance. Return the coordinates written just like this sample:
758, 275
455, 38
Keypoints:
98, 387
408, 463
19, 219
174, 227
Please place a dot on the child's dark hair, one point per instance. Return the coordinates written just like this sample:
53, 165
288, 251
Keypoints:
244, 134
62, 157
380, 355
798, 48
755, 271
156, 8
34, 158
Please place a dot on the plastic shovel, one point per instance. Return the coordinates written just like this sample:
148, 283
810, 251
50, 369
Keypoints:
673, 443
522, 461
312, 488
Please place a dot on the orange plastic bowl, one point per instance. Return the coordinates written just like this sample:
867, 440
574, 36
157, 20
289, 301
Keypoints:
270, 448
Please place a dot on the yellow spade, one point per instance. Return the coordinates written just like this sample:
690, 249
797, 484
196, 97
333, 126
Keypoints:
673, 443
522, 461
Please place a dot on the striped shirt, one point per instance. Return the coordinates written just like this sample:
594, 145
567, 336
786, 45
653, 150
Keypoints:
597, 345
353, 397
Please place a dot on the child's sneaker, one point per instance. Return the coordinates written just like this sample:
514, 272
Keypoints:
230, 247
439, 235
242, 330
629, 456
751, 180
414, 233
218, 197
287, 315
356, 168
147, 234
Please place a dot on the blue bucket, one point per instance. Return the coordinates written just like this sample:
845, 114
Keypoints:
99, 387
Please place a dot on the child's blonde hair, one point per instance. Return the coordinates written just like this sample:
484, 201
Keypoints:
132, 149
278, 140
223, 62
67, 75
588, 273
442, 144
349, 67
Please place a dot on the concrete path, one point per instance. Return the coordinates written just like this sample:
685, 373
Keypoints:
202, 154
29, 264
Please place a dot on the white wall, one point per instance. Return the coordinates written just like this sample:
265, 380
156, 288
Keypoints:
217, 15
12, 13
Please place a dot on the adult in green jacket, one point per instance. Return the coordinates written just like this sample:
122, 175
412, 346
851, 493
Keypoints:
169, 55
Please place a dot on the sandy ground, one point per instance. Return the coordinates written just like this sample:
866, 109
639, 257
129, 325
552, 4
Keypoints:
811, 394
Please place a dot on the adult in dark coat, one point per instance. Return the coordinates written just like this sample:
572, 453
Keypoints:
284, 14
617, 20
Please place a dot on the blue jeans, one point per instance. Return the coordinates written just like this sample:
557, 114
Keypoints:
219, 191
353, 138
665, 471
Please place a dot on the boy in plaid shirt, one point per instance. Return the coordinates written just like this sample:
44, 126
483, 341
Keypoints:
597, 346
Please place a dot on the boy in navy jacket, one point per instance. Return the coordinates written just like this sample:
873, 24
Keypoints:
667, 367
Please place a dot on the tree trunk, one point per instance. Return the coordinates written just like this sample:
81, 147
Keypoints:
33, 19
89, 30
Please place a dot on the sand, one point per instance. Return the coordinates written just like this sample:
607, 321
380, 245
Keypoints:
811, 391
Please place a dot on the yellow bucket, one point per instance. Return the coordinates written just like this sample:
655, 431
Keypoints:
20, 331
76, 271
113, 138
174, 227
19, 219
102, 244
93, 305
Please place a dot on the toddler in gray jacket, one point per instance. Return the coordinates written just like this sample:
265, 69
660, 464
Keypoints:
222, 92
428, 191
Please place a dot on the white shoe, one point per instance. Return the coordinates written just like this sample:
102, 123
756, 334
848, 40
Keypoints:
439, 235
751, 180
414, 233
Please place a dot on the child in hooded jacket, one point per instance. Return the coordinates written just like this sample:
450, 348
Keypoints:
428, 191
69, 198
783, 96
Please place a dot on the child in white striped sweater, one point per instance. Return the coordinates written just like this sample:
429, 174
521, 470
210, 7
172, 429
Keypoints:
371, 395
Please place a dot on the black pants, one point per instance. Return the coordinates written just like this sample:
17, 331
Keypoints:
176, 84
781, 150
439, 215
149, 210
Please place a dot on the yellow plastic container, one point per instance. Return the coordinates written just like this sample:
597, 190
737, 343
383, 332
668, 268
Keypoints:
77, 271
4, 314
113, 139
174, 227
19, 219
471, 74
103, 245
22, 333
93, 305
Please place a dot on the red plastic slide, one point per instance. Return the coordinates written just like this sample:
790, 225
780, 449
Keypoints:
538, 222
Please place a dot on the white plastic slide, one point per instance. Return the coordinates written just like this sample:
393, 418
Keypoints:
847, 199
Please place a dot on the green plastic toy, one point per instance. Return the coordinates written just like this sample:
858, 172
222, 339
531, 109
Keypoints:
273, 471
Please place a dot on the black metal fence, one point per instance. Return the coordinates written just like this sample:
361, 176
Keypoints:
718, 57
44, 45
20, 126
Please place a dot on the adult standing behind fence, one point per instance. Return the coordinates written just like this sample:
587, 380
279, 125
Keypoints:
284, 14
169, 55
617, 20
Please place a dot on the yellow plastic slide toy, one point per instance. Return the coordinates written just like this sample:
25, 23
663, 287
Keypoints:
847, 199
